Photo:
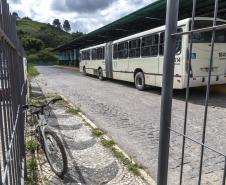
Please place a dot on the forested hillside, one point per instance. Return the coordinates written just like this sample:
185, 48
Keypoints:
39, 39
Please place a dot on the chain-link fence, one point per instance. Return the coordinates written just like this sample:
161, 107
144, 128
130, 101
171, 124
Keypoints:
209, 160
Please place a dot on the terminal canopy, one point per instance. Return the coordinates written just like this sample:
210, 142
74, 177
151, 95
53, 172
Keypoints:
146, 18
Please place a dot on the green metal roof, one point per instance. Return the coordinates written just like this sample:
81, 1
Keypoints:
146, 18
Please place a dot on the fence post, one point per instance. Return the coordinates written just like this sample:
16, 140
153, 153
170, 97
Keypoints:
167, 90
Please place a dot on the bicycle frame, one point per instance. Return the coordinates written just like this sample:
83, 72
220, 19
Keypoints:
40, 129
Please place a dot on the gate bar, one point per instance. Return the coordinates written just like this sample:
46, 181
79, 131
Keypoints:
167, 90
224, 176
187, 92
208, 91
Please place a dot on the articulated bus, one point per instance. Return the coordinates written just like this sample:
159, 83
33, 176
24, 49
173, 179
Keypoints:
139, 58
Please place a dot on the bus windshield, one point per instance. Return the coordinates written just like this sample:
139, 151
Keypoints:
206, 37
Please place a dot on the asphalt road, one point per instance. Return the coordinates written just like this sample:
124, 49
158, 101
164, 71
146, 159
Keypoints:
132, 119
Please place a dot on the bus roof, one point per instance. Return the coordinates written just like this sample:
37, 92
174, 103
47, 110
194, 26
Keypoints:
155, 30
162, 28
97, 46
151, 16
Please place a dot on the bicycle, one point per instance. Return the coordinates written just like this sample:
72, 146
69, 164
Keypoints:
48, 139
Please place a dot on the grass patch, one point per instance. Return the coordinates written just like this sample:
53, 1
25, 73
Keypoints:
32, 164
32, 175
107, 144
97, 132
32, 71
32, 145
134, 168
73, 111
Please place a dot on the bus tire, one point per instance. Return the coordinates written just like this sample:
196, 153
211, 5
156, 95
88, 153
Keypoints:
84, 71
100, 74
140, 81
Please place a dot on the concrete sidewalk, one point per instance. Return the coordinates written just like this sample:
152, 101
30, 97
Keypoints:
90, 163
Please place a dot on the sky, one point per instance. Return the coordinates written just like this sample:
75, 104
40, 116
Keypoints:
83, 15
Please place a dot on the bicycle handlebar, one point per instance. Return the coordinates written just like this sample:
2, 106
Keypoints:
41, 107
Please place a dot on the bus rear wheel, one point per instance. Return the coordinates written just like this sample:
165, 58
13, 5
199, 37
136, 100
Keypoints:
84, 71
140, 81
100, 74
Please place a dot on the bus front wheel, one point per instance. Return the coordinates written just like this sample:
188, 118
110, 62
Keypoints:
140, 81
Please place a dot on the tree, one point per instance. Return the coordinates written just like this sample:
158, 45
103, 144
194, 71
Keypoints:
57, 23
76, 35
67, 26
33, 44
27, 18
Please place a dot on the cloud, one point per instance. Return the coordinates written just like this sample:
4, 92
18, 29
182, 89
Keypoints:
84, 15
16, 1
82, 6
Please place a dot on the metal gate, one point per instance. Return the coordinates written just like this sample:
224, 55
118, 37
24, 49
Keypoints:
166, 130
12, 97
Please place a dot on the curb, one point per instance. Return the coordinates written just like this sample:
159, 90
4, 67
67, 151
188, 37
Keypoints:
68, 67
143, 173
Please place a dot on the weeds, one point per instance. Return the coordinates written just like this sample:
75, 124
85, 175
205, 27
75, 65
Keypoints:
134, 168
107, 144
97, 132
73, 111
32, 175
32, 166
32, 71
32, 145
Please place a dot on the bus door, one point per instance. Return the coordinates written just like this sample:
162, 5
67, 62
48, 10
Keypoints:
121, 64
108, 60
161, 59
178, 63
150, 61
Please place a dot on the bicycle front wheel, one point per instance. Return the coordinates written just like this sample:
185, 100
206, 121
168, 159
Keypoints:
55, 153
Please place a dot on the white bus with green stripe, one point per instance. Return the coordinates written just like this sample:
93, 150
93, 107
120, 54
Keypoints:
139, 58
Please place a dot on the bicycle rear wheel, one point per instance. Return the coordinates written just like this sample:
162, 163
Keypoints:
55, 153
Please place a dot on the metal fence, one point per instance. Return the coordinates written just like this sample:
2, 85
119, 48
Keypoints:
166, 107
12, 97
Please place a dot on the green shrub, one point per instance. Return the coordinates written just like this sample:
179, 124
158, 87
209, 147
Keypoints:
32, 58
44, 56
47, 55
30, 43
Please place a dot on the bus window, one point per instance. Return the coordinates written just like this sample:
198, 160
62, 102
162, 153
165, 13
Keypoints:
149, 46
100, 53
115, 51
123, 50
94, 54
205, 37
86, 55
134, 48
179, 42
161, 44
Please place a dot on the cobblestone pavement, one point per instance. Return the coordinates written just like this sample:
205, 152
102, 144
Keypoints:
89, 162
132, 117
